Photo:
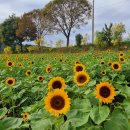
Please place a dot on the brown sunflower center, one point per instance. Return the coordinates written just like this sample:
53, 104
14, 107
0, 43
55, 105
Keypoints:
49, 69
81, 78
40, 78
116, 66
25, 116
10, 63
77, 62
121, 54
121, 59
79, 68
10, 82
29, 72
109, 63
57, 102
56, 84
105, 91
103, 72
102, 62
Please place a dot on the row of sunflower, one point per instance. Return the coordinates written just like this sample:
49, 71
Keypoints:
65, 91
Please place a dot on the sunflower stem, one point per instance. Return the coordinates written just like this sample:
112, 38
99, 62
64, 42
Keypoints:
12, 99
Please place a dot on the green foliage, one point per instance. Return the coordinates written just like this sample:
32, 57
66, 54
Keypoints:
104, 37
8, 50
9, 27
107, 31
86, 112
59, 43
100, 39
99, 114
39, 42
78, 39
117, 32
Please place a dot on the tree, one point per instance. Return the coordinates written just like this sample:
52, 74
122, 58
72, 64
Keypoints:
59, 43
117, 31
78, 39
66, 15
26, 29
1, 36
42, 24
84, 40
100, 39
107, 32
9, 27
40, 41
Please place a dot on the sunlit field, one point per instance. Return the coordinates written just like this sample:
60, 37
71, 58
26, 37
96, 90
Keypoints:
80, 91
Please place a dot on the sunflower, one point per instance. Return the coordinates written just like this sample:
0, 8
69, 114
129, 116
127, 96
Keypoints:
116, 66
28, 72
109, 63
48, 69
79, 67
57, 82
10, 81
81, 78
25, 116
102, 62
9, 63
105, 92
77, 62
103, 72
121, 54
60, 59
101, 57
40, 78
57, 102
30, 62
20, 64
108, 50
121, 59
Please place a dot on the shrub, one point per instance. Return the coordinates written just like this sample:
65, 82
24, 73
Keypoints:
78, 38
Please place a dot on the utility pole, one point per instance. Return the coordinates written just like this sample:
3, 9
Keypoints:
93, 22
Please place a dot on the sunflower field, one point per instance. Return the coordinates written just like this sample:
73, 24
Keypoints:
80, 91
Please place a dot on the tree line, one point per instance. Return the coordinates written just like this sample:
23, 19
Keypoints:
58, 16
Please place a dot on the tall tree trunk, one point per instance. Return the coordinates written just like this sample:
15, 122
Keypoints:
21, 45
68, 40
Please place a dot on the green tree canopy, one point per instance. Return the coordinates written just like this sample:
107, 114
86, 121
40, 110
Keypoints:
8, 31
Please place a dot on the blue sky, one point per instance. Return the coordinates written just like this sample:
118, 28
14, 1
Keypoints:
106, 11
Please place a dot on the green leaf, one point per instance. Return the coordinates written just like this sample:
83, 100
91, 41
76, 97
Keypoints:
67, 126
99, 114
84, 106
3, 111
44, 124
91, 83
126, 105
95, 128
22, 101
117, 121
77, 118
10, 123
